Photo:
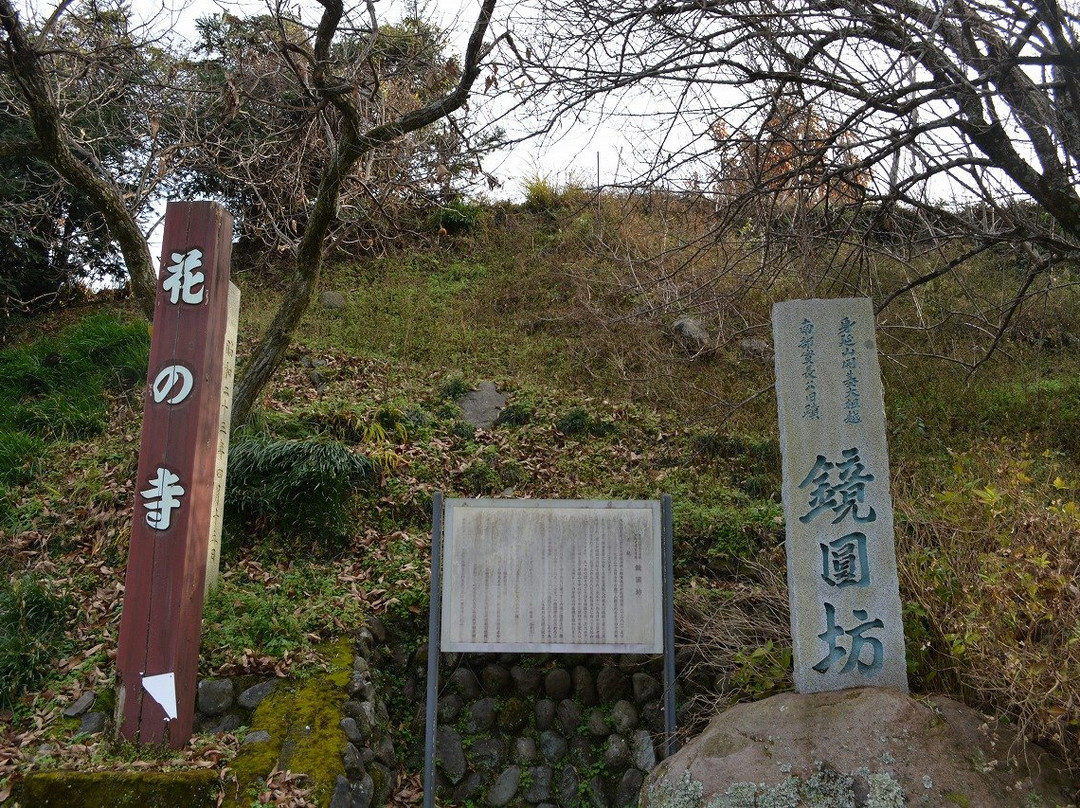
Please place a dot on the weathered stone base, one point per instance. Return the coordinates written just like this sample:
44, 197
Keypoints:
862, 748
61, 789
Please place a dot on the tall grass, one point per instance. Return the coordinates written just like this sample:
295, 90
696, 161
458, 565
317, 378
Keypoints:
32, 621
56, 388
297, 489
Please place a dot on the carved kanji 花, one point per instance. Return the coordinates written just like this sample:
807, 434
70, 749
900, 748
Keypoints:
183, 282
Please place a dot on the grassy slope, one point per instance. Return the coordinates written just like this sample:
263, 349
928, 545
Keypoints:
985, 477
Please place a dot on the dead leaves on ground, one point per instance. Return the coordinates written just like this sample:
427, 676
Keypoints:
75, 520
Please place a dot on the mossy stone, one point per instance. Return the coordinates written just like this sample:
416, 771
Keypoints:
193, 788
303, 720
514, 715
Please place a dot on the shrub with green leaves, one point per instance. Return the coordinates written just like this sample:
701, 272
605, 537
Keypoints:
32, 620
515, 414
480, 478
297, 488
458, 216
579, 421
453, 388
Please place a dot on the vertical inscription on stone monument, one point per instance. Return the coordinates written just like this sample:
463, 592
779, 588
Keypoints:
845, 604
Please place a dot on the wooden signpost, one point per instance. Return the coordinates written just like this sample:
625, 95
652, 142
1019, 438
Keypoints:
173, 550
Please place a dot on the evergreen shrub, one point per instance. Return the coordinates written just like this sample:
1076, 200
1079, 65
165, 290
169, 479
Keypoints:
299, 489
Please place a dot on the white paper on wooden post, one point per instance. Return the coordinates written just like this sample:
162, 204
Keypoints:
846, 619
552, 576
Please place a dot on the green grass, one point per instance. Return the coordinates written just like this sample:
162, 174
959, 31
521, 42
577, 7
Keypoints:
20, 456
275, 609
930, 409
56, 389
32, 620
495, 307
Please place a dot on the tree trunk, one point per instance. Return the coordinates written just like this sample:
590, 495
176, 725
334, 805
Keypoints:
56, 147
270, 351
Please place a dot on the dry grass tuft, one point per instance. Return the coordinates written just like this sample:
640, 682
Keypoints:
989, 571
734, 643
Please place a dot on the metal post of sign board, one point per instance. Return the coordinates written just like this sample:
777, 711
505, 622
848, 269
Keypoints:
435, 620
670, 744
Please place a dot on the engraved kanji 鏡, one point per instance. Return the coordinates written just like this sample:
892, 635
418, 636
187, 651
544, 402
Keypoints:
846, 495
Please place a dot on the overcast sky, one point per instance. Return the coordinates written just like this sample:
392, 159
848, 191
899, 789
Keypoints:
574, 153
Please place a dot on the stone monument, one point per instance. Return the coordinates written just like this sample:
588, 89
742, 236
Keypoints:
846, 621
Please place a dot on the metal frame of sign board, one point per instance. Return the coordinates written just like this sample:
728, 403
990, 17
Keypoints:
552, 576
435, 618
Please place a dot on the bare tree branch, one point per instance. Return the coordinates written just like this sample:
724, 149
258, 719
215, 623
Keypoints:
873, 147
353, 144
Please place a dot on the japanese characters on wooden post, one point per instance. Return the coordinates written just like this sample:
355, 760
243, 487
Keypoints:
181, 477
221, 458
846, 620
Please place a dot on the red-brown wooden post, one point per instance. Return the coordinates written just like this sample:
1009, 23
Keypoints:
157, 659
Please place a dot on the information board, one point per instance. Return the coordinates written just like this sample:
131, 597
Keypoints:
581, 576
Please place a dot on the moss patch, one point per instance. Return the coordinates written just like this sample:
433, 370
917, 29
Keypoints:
722, 746
187, 787
302, 719
826, 787
515, 714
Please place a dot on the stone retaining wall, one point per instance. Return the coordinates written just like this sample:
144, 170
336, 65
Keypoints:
366, 747
513, 729
370, 764
545, 729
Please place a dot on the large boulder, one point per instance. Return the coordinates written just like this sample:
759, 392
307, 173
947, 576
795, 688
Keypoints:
863, 748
